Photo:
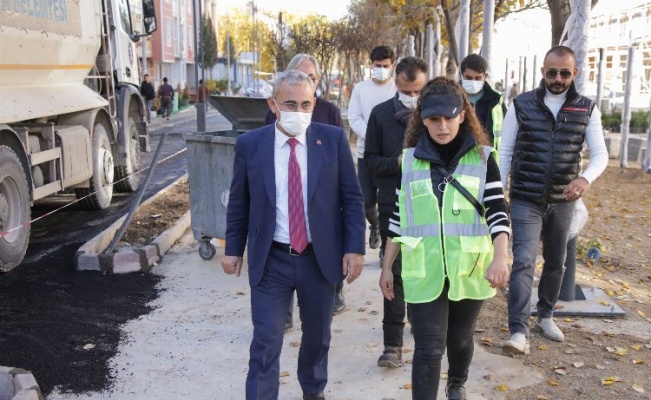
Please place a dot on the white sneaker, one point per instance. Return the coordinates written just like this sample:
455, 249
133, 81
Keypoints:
517, 344
548, 328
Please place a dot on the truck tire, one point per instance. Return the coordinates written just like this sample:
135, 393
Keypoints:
98, 195
127, 176
14, 209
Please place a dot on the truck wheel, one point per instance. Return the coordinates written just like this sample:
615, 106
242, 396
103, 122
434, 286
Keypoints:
14, 209
100, 191
127, 176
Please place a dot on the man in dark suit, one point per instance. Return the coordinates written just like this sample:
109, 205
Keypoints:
295, 198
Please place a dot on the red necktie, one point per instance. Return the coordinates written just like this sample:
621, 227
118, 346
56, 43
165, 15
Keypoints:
297, 231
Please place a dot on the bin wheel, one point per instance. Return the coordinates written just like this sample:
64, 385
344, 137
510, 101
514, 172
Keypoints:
206, 250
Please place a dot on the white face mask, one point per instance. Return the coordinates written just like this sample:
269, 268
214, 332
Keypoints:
472, 86
381, 74
407, 101
295, 123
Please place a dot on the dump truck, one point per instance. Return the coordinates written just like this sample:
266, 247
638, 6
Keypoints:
71, 115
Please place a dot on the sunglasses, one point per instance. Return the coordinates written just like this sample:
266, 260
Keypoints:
551, 73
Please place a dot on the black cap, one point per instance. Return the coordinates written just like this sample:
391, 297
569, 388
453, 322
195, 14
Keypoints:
446, 105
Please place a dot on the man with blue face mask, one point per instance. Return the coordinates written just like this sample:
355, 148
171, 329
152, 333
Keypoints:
366, 95
385, 135
488, 103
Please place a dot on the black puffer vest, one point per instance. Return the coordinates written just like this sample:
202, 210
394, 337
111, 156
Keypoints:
547, 154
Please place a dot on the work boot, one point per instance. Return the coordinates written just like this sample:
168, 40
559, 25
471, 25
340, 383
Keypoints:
390, 358
455, 390
374, 239
517, 344
340, 302
548, 328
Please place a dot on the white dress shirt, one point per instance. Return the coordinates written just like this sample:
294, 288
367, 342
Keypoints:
594, 138
281, 167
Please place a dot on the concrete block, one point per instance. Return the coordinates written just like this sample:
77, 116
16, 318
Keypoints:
88, 262
27, 395
126, 261
6, 384
24, 382
167, 239
613, 144
148, 256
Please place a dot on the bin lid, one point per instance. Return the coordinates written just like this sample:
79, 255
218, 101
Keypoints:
245, 113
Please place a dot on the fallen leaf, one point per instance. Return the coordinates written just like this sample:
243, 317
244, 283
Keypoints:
406, 351
501, 388
361, 309
488, 377
504, 329
568, 319
407, 386
638, 388
608, 321
295, 343
541, 397
636, 346
89, 346
486, 340
638, 362
552, 382
284, 374
578, 364
603, 303
561, 371
239, 293
600, 367
542, 347
641, 313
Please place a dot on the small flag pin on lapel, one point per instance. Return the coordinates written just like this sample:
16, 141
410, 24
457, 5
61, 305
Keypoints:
318, 142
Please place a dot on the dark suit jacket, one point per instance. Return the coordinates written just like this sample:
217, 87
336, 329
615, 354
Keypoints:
334, 200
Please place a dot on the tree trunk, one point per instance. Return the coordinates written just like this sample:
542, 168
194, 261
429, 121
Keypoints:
560, 12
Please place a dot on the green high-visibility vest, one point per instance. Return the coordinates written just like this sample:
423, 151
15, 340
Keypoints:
453, 242
497, 115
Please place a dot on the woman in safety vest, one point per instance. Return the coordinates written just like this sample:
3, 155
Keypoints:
454, 244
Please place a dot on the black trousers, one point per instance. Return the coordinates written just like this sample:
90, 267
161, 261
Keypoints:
393, 321
438, 325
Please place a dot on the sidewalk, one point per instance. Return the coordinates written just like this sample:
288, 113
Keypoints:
194, 345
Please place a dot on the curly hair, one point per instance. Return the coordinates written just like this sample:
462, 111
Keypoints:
444, 86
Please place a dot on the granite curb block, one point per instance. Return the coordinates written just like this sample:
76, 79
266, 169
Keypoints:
90, 257
18, 384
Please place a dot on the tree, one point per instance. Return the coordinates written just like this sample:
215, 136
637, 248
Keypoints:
209, 44
560, 12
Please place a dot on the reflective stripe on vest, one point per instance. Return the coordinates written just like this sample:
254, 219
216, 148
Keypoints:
498, 119
463, 251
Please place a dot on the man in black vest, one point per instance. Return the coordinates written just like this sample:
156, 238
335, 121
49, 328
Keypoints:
542, 139
385, 135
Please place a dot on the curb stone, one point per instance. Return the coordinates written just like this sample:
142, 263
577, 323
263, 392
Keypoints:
18, 384
90, 256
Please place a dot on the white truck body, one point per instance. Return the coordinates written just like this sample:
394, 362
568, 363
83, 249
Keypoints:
71, 116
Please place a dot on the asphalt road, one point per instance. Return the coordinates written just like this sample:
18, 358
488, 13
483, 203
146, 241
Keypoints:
49, 311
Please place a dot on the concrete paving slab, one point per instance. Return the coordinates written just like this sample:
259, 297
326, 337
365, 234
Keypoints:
591, 302
195, 342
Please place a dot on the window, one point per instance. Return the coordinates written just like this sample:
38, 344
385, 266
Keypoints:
168, 32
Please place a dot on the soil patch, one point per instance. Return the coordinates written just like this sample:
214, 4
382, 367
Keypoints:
154, 218
598, 359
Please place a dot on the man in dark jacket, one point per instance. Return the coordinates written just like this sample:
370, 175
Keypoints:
385, 134
489, 105
166, 95
544, 132
149, 93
